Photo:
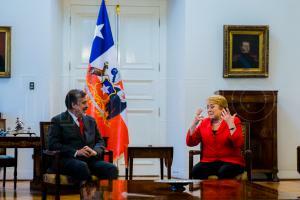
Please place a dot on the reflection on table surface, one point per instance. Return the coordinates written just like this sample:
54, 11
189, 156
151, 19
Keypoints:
209, 189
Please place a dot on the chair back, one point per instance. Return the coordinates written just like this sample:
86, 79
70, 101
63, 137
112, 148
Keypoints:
246, 133
2, 127
44, 131
246, 152
105, 140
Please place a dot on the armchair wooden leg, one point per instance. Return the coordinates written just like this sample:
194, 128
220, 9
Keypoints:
15, 178
161, 168
126, 173
44, 192
191, 163
57, 189
130, 168
4, 176
57, 193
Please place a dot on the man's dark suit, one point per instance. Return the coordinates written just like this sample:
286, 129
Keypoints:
65, 136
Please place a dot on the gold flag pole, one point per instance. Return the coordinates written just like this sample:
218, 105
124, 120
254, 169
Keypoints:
118, 50
117, 33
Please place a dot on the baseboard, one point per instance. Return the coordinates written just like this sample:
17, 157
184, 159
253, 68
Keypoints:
178, 173
288, 175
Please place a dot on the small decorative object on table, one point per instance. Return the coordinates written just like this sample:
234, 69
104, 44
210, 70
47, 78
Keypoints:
2, 133
177, 185
19, 125
19, 129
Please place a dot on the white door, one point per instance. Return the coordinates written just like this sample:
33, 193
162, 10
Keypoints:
138, 51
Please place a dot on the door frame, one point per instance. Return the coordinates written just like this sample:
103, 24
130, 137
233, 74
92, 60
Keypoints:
66, 73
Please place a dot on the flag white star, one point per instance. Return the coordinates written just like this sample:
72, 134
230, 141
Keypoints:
105, 89
98, 31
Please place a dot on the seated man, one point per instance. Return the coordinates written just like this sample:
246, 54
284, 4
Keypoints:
76, 136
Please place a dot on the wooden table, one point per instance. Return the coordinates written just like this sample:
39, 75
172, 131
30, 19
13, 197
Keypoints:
27, 142
163, 153
209, 189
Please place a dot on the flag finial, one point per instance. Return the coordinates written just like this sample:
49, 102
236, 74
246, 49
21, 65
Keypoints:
118, 9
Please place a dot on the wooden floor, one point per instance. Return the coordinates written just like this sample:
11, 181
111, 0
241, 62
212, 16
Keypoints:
23, 191
290, 187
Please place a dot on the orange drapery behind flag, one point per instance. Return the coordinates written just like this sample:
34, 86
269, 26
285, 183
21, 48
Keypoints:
104, 87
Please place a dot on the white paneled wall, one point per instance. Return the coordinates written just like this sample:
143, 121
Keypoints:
35, 57
197, 27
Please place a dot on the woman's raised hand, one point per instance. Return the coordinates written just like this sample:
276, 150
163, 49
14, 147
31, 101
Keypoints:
197, 120
227, 117
198, 117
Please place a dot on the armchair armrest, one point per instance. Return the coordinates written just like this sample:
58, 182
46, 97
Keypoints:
51, 153
192, 153
53, 156
110, 155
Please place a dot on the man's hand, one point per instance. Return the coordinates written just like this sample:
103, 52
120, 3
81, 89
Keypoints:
92, 152
83, 152
86, 152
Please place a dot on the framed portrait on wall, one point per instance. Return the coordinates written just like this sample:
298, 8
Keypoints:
5, 50
246, 51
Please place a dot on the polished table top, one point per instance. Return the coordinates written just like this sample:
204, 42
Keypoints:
208, 189
20, 141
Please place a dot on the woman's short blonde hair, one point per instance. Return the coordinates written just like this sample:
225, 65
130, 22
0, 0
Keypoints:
219, 100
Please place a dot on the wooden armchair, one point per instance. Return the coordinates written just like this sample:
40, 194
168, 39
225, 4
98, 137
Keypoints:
6, 160
247, 174
54, 179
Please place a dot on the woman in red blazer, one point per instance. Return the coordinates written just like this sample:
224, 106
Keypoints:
221, 138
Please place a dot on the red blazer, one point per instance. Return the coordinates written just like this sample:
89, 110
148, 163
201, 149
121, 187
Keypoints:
219, 147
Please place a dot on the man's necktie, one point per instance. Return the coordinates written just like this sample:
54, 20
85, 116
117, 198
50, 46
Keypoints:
81, 125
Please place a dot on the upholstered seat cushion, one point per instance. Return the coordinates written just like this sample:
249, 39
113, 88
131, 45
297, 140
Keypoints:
242, 176
64, 179
6, 157
6, 160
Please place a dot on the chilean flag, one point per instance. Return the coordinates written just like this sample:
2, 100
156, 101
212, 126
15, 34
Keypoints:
104, 86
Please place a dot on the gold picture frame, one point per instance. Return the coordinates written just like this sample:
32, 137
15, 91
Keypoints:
5, 51
246, 51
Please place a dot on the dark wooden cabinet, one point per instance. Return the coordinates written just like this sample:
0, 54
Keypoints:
259, 108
